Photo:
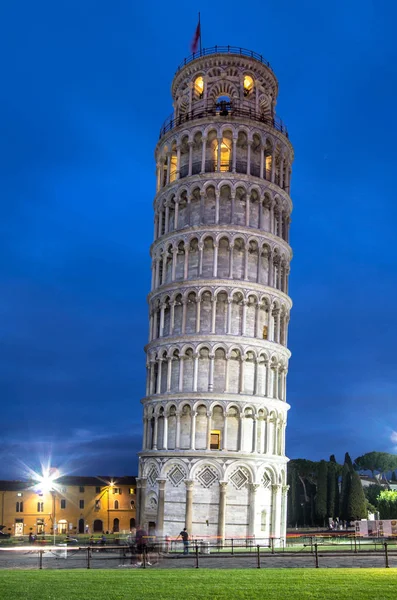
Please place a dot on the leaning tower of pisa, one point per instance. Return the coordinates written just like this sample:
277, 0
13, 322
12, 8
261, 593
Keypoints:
215, 410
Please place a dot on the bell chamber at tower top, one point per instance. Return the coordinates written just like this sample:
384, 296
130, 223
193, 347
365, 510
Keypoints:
224, 121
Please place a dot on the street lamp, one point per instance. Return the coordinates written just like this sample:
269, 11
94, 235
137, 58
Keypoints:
111, 484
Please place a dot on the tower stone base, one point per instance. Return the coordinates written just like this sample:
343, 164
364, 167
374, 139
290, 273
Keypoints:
224, 499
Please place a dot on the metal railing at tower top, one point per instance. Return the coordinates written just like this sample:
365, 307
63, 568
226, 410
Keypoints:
224, 50
228, 111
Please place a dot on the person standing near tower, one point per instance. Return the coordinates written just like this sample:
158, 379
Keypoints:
185, 538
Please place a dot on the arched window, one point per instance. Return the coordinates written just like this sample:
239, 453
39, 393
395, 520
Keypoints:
248, 85
226, 155
116, 504
199, 87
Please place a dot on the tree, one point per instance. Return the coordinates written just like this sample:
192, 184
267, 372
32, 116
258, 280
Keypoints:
393, 476
356, 507
321, 495
345, 491
348, 461
372, 492
331, 487
387, 504
376, 462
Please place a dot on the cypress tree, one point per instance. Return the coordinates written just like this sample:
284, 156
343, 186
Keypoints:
348, 461
345, 492
321, 496
331, 487
356, 507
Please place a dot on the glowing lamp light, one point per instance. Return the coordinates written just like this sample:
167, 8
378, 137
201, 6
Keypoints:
47, 479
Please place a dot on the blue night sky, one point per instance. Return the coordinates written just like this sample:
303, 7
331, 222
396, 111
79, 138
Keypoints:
85, 89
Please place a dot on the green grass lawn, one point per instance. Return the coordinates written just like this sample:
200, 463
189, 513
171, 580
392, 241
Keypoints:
202, 584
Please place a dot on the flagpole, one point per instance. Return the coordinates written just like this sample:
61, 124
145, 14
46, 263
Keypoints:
200, 33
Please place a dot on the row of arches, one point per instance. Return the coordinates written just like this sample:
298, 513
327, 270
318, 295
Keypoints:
218, 312
220, 369
228, 149
222, 204
222, 257
199, 427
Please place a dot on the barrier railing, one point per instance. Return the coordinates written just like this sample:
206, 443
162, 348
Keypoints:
230, 112
224, 50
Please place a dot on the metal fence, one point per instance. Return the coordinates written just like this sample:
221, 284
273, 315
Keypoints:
230, 111
224, 50
305, 551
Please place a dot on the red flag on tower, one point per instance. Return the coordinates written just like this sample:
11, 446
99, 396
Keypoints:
196, 37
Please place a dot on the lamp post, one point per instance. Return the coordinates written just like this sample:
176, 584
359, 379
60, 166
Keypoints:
109, 486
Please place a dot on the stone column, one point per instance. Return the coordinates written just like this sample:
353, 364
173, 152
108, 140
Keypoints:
156, 428
246, 262
190, 144
208, 431
262, 445
247, 211
227, 374
276, 513
167, 217
253, 488
165, 434
169, 370
195, 370
160, 507
193, 431
180, 381
213, 315
144, 433
231, 261
178, 431
142, 502
162, 310
234, 154
184, 303
229, 315
224, 440
189, 210
211, 373
241, 432
218, 158
262, 162
217, 194
172, 317
244, 318
233, 202
176, 215
241, 382
158, 387
200, 247
198, 314
273, 168
168, 167
284, 497
202, 207
174, 259
249, 158
138, 501
189, 505
254, 435
215, 264
204, 141
222, 510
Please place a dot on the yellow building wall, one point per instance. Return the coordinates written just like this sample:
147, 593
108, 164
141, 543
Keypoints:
97, 507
